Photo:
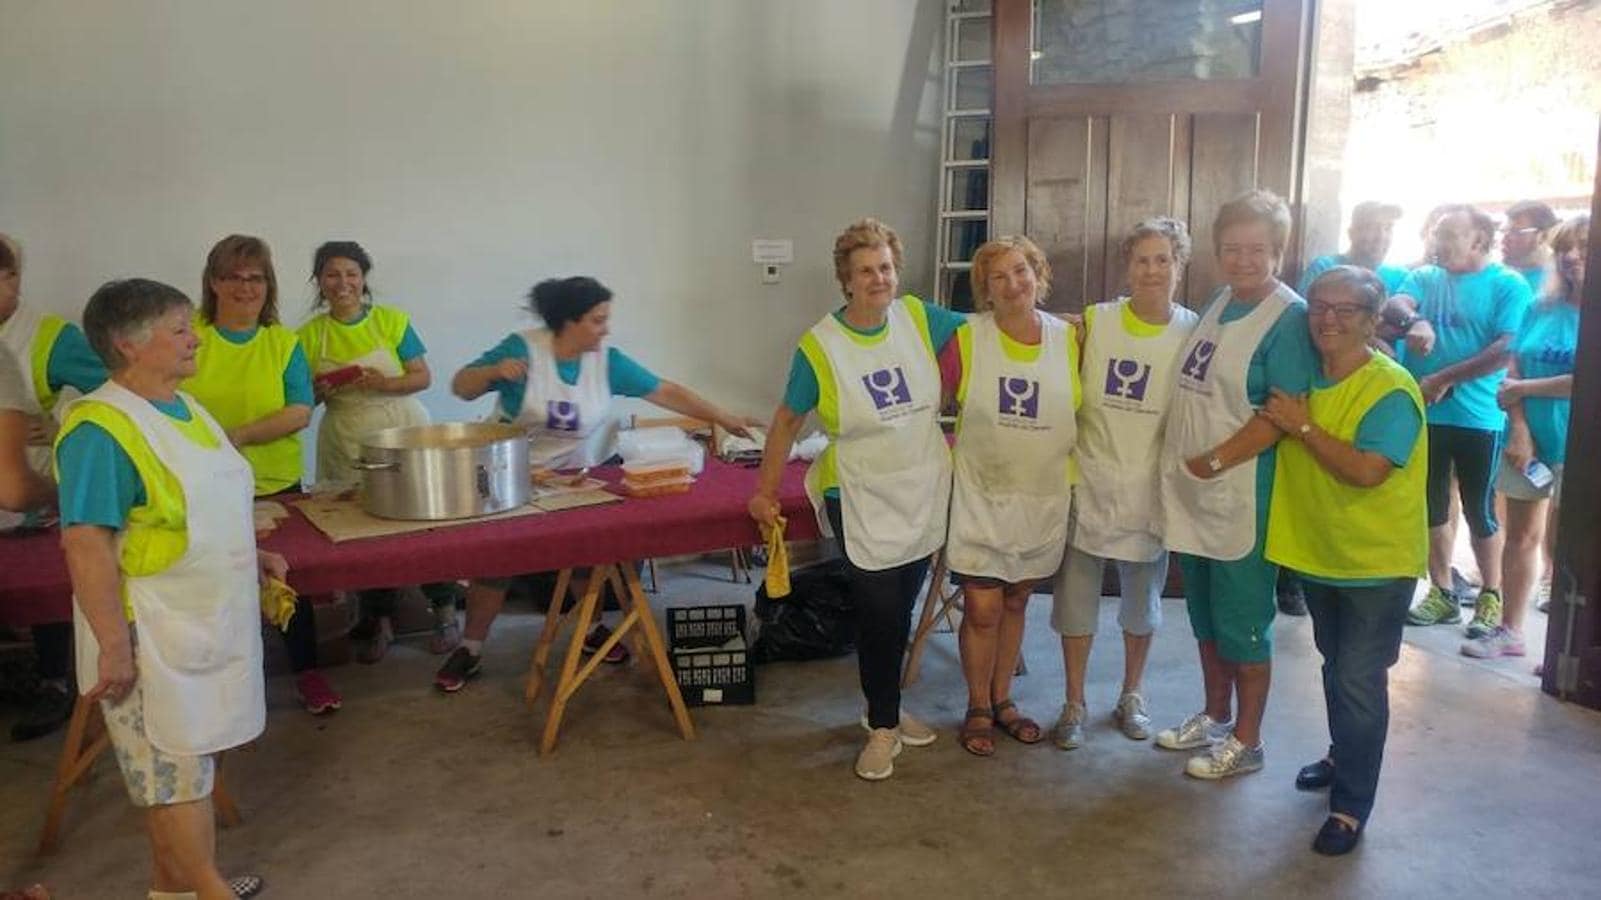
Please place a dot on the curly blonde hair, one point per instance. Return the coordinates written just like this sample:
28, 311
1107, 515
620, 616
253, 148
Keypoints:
863, 234
994, 250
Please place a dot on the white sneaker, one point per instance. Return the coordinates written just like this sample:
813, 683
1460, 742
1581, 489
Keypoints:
1197, 731
1131, 718
914, 733
876, 762
1230, 757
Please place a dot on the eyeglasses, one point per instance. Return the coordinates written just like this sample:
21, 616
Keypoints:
251, 280
1344, 312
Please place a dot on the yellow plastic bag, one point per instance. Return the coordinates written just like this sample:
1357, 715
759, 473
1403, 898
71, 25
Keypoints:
777, 560
278, 603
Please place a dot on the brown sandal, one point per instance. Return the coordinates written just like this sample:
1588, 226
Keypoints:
979, 741
1020, 727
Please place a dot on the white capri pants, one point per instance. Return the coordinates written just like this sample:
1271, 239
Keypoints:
1076, 609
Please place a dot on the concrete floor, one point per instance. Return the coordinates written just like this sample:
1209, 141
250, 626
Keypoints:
1490, 787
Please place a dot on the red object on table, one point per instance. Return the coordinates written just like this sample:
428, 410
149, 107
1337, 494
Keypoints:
34, 586
337, 377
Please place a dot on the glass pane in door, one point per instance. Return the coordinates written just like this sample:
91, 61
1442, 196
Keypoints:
1121, 41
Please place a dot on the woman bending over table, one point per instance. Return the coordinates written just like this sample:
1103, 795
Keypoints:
882, 488
558, 382
251, 375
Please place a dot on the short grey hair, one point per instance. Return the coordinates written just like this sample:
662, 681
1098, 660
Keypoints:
1178, 237
126, 310
1355, 280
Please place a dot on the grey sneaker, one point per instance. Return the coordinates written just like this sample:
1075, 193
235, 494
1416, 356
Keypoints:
876, 762
1230, 757
1197, 731
1130, 716
1068, 732
914, 733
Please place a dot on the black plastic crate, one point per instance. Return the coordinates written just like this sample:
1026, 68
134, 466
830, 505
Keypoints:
710, 657
698, 627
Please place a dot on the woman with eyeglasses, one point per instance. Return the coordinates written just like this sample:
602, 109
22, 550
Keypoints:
252, 376
1349, 517
1217, 477
1538, 398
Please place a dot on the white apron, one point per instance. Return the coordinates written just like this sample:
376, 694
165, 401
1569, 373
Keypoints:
354, 414
569, 425
198, 648
1128, 387
1214, 517
893, 463
1010, 496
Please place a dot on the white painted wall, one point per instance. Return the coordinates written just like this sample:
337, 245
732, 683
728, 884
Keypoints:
474, 148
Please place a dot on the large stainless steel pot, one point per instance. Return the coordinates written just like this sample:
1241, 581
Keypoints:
450, 471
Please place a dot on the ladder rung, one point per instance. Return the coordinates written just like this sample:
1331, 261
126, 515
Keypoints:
967, 163
967, 63
966, 113
958, 266
971, 14
965, 214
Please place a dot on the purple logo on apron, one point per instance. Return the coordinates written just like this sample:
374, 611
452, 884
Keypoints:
887, 387
1127, 378
561, 415
1020, 397
1199, 360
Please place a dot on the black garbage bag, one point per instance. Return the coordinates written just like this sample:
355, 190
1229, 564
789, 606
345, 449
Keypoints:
816, 621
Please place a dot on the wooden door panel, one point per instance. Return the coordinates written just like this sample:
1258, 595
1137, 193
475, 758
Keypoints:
1066, 203
1142, 163
1223, 162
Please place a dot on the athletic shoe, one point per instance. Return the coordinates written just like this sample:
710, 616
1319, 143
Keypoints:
616, 656
1068, 732
460, 666
1197, 731
244, 886
1436, 609
1500, 641
876, 762
49, 709
316, 694
914, 733
1224, 760
1486, 614
1130, 716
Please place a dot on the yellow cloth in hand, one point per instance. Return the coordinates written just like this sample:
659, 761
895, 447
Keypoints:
278, 603
777, 560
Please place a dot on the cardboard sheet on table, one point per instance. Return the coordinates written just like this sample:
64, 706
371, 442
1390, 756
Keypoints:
345, 520
570, 498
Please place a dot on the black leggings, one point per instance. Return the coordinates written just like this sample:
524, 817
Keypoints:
300, 639
884, 600
1475, 455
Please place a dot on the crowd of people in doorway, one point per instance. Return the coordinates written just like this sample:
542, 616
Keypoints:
1314, 431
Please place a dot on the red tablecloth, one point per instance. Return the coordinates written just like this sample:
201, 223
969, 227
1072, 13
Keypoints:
34, 586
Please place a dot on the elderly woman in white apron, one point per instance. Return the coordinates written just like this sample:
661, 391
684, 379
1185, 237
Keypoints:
368, 365
1011, 492
1131, 348
882, 488
558, 383
1217, 478
50, 355
166, 596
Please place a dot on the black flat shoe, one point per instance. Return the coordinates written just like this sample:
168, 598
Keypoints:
1336, 838
1315, 777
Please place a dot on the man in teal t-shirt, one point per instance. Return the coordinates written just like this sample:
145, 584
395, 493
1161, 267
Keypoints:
1372, 225
1459, 318
1524, 240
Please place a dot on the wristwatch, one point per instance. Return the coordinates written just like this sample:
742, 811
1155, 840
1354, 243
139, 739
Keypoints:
1305, 429
1214, 463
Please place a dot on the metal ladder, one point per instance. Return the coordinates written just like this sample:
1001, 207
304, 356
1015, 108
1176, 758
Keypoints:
963, 218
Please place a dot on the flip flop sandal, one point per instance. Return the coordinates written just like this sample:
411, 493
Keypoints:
246, 885
1020, 727
979, 741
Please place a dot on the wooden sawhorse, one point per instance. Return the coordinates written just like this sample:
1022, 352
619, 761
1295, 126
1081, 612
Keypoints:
87, 739
637, 614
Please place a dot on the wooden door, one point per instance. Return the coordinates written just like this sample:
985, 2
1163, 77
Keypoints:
1076, 165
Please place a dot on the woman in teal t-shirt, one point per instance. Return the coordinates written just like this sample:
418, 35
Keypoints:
1537, 395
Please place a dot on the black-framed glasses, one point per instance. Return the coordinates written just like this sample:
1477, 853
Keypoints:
1344, 312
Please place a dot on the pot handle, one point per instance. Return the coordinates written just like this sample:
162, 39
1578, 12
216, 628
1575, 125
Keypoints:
483, 482
363, 466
